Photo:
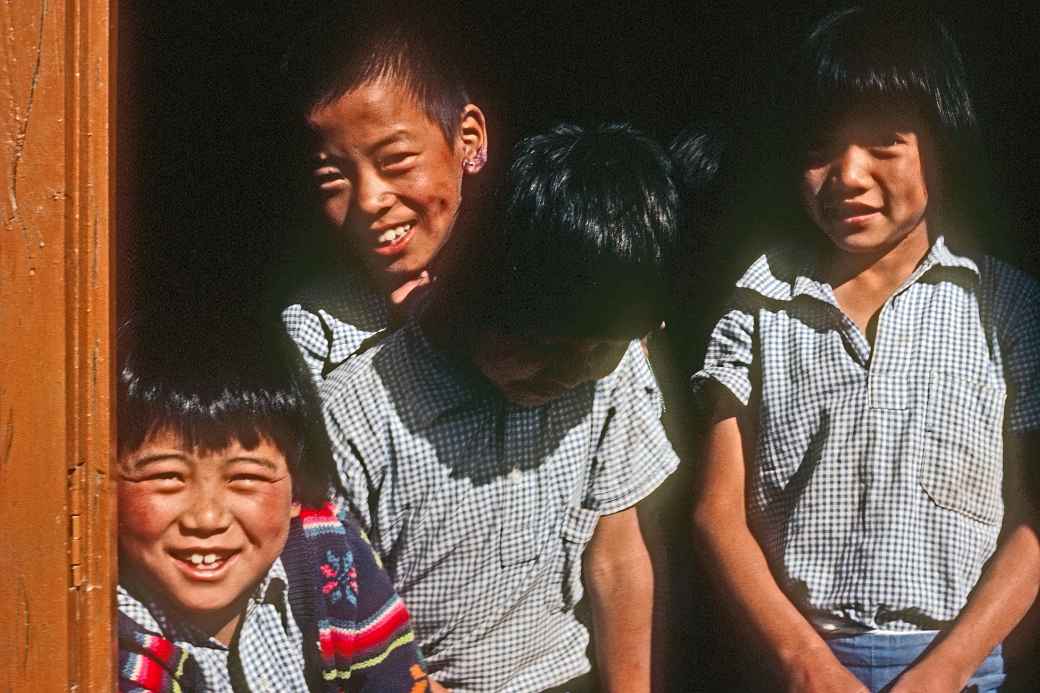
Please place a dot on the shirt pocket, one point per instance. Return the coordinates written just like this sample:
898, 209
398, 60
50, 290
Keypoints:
962, 468
565, 588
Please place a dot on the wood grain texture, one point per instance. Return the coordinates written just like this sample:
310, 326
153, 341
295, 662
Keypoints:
56, 512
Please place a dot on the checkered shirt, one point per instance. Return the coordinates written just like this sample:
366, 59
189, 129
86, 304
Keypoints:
875, 482
332, 317
481, 509
270, 645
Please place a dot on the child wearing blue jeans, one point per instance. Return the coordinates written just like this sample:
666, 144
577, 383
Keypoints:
875, 389
235, 571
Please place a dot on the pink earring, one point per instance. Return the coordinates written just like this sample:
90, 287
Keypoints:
476, 162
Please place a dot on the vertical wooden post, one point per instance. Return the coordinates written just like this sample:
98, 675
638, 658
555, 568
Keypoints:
57, 561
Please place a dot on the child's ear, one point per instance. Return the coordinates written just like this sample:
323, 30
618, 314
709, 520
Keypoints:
294, 511
473, 137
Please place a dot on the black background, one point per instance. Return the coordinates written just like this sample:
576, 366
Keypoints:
207, 186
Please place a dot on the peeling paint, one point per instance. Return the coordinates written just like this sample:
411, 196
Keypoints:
5, 450
95, 271
23, 129
23, 603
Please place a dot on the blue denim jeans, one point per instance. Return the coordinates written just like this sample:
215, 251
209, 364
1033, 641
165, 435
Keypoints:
876, 660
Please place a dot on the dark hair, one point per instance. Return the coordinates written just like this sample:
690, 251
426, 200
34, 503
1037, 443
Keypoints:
890, 56
353, 44
584, 242
697, 152
213, 382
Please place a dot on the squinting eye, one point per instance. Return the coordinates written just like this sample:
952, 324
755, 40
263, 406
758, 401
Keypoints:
247, 482
330, 179
165, 480
396, 161
885, 140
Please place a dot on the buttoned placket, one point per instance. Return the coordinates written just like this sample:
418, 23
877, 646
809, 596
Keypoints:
517, 436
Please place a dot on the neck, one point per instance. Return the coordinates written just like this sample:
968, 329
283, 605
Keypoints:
885, 268
219, 624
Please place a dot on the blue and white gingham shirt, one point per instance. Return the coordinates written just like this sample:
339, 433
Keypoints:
332, 317
481, 509
875, 482
270, 645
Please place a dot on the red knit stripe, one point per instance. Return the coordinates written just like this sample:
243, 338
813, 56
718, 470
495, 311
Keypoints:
335, 641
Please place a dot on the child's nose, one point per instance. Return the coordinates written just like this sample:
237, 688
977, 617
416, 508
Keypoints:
851, 169
208, 513
373, 193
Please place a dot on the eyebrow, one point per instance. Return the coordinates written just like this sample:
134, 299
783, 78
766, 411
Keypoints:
156, 457
261, 461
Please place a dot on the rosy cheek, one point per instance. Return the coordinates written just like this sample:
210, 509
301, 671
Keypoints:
141, 514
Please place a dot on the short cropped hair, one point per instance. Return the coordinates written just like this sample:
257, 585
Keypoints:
354, 44
697, 152
585, 237
893, 56
211, 383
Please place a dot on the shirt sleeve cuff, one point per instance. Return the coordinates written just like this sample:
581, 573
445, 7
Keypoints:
734, 381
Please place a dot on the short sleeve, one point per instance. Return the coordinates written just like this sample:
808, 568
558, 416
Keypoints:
633, 455
729, 356
1021, 345
308, 333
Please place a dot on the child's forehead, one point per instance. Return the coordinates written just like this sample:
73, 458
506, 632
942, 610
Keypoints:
382, 102
868, 117
169, 441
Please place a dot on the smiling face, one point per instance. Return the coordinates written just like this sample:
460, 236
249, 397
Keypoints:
202, 529
864, 183
387, 177
531, 371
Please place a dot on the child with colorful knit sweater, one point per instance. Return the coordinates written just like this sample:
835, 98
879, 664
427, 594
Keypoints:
236, 573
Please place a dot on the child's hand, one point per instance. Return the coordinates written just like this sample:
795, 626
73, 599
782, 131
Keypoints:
398, 295
822, 674
437, 688
920, 679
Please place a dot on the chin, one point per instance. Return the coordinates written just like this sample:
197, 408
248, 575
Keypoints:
859, 241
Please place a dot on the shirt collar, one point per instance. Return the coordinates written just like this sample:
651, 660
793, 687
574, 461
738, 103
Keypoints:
153, 615
350, 308
786, 274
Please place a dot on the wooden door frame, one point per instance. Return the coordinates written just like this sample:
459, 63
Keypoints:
57, 509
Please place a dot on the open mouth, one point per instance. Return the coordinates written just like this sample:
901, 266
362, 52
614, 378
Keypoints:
393, 239
202, 563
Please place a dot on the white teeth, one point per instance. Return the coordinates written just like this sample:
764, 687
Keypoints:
203, 559
391, 235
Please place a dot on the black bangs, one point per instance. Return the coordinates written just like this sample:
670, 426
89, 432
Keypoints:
899, 57
354, 44
210, 383
587, 235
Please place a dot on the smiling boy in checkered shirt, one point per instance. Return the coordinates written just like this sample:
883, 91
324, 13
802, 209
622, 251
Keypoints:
496, 447
858, 503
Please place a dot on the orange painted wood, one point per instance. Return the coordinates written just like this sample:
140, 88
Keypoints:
57, 550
